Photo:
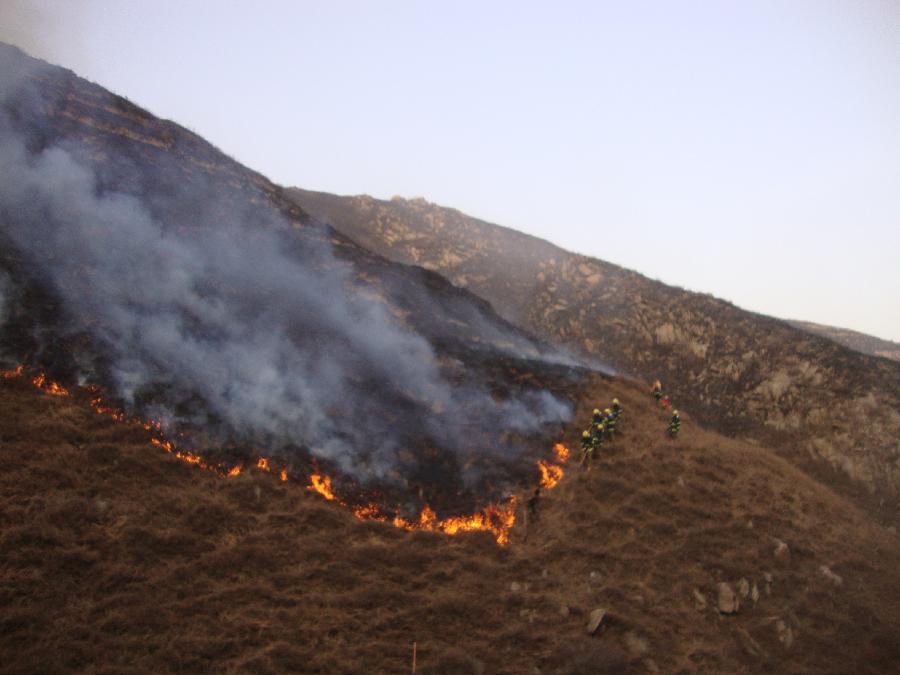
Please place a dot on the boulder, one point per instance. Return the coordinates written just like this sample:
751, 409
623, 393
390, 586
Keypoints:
744, 588
782, 552
728, 601
833, 578
595, 620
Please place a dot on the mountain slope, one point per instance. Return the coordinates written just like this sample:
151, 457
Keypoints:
119, 558
137, 257
737, 372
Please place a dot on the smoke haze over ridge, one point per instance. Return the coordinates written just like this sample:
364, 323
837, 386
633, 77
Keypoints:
268, 329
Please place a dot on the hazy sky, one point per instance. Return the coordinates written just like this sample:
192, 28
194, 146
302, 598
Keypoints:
747, 149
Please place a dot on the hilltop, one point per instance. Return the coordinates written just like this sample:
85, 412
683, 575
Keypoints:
829, 409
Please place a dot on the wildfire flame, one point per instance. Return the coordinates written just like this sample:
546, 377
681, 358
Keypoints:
322, 485
40, 381
550, 474
498, 519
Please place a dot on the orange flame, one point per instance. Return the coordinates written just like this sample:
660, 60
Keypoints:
322, 485
550, 474
495, 518
52, 388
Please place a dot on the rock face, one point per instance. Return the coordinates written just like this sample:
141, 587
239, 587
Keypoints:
737, 372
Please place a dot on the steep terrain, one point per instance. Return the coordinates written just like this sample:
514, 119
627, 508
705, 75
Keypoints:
137, 257
740, 373
118, 558
860, 342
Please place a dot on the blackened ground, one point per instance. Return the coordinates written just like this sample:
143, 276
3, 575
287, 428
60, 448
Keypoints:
118, 558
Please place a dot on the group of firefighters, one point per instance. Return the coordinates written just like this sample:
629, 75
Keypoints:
604, 424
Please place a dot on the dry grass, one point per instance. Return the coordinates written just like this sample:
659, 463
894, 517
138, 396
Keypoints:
118, 558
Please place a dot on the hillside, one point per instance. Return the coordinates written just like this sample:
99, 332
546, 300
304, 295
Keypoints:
831, 410
138, 258
119, 558
235, 439
860, 342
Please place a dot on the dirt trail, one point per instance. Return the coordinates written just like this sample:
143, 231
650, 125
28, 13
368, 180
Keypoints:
119, 558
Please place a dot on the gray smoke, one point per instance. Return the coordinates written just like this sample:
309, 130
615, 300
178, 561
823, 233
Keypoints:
4, 291
270, 332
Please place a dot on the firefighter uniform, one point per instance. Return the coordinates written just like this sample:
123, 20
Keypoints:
674, 424
610, 422
617, 409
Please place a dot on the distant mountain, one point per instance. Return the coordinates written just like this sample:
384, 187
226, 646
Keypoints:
737, 372
860, 342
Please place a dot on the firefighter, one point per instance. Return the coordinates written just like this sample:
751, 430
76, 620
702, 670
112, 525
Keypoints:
590, 443
674, 424
598, 423
665, 402
617, 409
587, 446
610, 422
657, 390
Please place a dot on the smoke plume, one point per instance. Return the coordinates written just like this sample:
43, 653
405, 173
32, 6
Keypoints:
229, 321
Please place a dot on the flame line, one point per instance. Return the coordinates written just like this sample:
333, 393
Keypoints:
495, 518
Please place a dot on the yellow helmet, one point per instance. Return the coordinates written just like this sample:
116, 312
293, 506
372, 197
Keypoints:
607, 411
675, 413
596, 411
615, 401
585, 434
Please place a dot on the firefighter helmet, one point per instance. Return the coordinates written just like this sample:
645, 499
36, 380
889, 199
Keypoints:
596, 411
585, 434
674, 413
615, 401
608, 411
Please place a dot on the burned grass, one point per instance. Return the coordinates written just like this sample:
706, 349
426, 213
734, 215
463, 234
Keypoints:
119, 558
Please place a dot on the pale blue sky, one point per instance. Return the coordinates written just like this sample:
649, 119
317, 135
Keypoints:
747, 149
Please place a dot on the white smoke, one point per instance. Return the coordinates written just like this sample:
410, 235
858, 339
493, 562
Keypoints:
190, 299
